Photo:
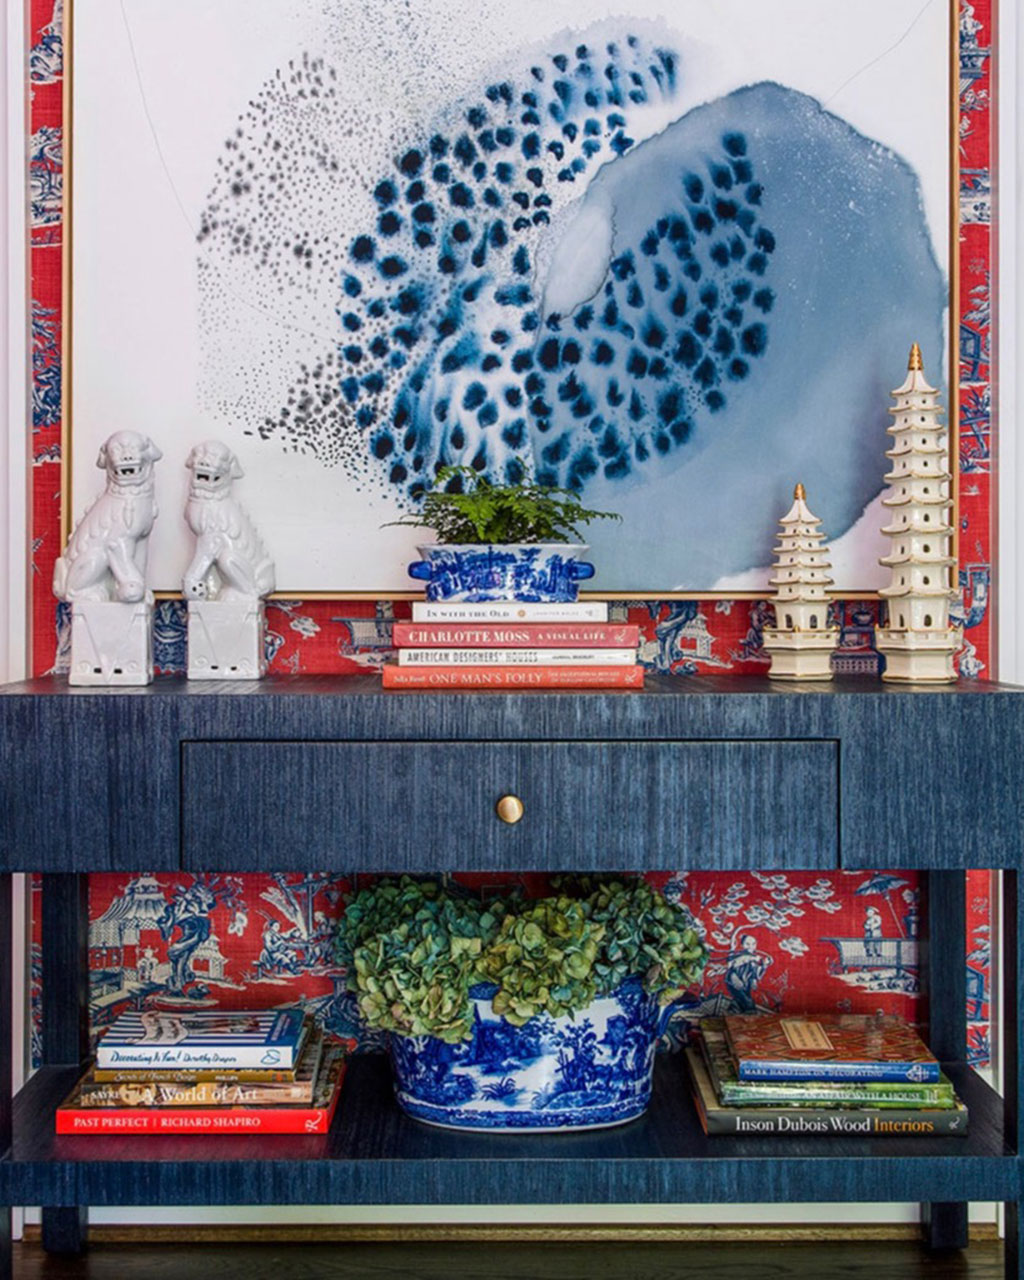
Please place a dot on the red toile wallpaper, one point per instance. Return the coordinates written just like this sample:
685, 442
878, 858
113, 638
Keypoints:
799, 941
786, 940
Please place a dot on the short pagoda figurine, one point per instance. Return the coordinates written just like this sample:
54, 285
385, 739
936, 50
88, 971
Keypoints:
801, 643
918, 641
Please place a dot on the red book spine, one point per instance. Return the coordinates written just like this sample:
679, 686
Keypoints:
536, 635
206, 1121
512, 677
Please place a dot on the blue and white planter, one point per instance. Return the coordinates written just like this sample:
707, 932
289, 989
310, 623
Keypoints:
548, 571
584, 1072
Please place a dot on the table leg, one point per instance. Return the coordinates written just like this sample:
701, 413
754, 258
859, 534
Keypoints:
1012, 1255
65, 1017
65, 1230
1011, 1030
6, 1060
945, 1225
944, 983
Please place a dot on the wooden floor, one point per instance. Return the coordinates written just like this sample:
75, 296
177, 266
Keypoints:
727, 1261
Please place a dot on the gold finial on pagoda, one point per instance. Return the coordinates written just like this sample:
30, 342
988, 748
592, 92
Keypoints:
800, 492
915, 361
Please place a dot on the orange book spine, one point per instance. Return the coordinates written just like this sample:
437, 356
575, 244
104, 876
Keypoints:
395, 677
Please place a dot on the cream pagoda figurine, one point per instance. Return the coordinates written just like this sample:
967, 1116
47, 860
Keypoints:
918, 641
801, 642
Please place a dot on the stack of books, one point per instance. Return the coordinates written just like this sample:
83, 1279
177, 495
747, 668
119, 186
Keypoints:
514, 645
840, 1074
208, 1071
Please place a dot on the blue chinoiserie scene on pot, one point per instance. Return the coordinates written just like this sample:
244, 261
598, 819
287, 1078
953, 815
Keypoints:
548, 571
571, 1072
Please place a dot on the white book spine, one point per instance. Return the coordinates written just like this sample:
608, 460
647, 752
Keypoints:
516, 657
510, 611
179, 1058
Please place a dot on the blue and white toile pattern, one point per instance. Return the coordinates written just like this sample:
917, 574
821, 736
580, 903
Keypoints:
549, 572
584, 1072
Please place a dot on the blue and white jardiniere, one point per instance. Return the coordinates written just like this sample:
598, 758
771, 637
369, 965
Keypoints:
585, 1071
548, 571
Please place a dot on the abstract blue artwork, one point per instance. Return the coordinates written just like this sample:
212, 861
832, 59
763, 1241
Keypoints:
671, 291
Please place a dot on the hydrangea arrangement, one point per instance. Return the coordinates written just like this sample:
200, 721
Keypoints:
415, 949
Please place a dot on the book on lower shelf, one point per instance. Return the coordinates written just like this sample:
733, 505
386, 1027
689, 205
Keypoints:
828, 1046
734, 1092
803, 1119
172, 1089
73, 1116
207, 1039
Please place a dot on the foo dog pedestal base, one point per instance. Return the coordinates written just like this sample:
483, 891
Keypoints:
111, 642
225, 640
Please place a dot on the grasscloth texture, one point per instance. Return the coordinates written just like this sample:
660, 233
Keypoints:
709, 773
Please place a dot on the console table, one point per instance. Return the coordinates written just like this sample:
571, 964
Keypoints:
333, 773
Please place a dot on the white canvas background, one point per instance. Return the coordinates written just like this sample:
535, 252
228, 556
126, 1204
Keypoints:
157, 90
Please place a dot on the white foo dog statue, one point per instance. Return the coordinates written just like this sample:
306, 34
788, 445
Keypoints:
105, 558
102, 573
229, 575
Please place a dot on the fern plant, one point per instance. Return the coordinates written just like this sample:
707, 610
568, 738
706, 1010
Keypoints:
465, 507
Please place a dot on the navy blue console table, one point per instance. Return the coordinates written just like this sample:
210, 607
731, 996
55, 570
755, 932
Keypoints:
702, 773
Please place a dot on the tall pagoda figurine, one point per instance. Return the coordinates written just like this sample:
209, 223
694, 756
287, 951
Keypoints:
801, 642
918, 641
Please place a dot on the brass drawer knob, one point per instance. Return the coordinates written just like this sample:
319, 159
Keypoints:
509, 809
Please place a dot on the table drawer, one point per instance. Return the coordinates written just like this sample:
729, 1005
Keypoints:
416, 806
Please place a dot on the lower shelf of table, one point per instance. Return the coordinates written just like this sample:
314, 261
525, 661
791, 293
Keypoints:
376, 1155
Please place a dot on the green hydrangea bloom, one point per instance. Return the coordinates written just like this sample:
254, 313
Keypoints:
414, 949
